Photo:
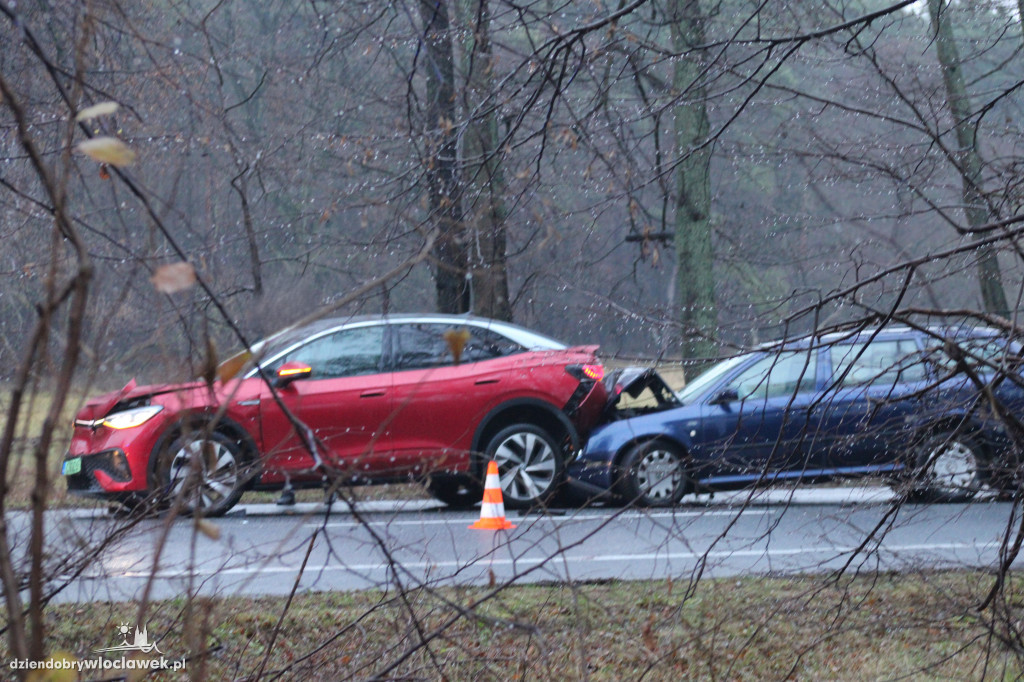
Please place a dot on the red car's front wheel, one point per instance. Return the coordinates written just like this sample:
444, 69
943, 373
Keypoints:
201, 473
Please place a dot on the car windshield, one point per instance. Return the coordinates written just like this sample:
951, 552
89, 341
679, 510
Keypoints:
696, 388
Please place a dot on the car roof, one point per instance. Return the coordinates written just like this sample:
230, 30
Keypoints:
853, 334
521, 335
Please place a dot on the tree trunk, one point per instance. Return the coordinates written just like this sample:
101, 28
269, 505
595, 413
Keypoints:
1020, 15
450, 260
484, 180
968, 157
694, 286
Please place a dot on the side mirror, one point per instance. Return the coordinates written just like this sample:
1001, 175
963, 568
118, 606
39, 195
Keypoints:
725, 396
292, 371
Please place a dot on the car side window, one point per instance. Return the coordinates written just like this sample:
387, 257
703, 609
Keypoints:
777, 375
878, 362
485, 344
981, 354
420, 346
423, 346
351, 352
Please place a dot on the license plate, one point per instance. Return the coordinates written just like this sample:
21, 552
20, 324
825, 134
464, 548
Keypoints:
71, 466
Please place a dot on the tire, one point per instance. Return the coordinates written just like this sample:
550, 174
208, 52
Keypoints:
459, 491
530, 465
948, 467
654, 474
209, 485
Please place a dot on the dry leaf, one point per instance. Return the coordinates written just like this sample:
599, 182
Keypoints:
650, 639
208, 528
62, 669
108, 150
97, 110
456, 340
170, 279
209, 371
230, 368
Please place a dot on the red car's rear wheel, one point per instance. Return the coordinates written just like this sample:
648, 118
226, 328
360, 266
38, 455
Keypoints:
530, 464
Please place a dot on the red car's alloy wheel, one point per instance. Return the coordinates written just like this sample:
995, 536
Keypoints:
201, 474
530, 464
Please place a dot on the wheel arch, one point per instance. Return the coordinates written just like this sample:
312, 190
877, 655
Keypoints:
959, 423
620, 470
641, 439
947, 485
199, 420
528, 411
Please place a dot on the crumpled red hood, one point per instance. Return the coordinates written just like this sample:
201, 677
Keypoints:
100, 406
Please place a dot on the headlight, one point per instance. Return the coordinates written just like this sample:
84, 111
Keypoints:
129, 419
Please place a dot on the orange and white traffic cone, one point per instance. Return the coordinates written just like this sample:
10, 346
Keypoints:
492, 510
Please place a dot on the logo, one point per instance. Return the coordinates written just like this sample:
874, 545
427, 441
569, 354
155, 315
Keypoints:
139, 643
125, 662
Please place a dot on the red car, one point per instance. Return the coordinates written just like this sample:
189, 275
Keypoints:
365, 399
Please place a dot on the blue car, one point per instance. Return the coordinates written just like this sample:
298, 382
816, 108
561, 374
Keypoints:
933, 411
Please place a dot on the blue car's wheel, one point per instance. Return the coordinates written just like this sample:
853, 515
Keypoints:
654, 474
950, 467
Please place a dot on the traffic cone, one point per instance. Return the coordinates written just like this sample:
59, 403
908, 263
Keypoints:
492, 509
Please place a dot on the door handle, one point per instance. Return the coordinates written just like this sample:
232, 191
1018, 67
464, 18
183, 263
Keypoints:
373, 393
481, 382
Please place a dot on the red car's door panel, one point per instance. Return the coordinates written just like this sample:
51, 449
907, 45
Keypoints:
345, 405
436, 411
348, 416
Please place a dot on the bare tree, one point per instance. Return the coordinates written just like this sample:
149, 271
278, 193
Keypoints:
486, 188
695, 283
967, 155
441, 164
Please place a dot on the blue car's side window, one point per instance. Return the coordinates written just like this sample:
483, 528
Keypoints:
883, 362
981, 354
775, 376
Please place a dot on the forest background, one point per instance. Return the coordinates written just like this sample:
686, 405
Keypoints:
643, 175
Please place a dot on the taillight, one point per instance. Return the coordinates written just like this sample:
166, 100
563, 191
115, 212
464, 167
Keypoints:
586, 372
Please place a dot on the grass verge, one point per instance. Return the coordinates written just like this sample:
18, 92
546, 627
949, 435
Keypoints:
923, 626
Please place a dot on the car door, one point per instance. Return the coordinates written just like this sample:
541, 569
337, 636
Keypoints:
438, 401
345, 403
874, 391
757, 422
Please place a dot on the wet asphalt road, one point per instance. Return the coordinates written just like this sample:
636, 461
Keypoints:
262, 549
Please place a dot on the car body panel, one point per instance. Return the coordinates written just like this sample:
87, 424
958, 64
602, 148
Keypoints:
371, 416
347, 415
839, 424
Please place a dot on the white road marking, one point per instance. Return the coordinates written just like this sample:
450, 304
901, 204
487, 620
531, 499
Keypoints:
518, 520
838, 550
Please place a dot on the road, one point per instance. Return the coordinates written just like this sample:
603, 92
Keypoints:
260, 550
